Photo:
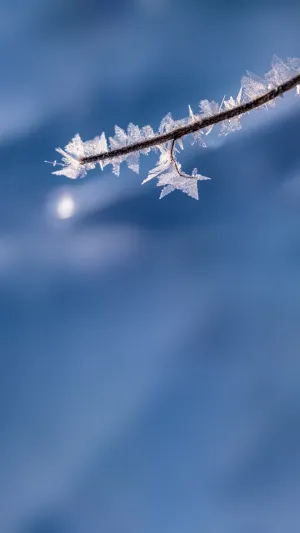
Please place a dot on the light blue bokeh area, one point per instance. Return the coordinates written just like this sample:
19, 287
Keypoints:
149, 350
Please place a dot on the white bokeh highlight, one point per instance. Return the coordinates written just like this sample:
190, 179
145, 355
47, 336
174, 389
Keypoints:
65, 207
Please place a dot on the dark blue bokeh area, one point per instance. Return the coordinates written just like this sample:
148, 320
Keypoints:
149, 350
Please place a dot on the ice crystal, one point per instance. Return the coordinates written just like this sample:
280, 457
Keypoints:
171, 177
174, 179
198, 135
209, 109
232, 124
167, 124
254, 86
98, 145
75, 150
162, 164
294, 64
279, 72
121, 138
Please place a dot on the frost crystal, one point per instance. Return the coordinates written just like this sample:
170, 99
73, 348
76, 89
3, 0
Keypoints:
74, 151
134, 135
198, 135
294, 64
162, 164
253, 86
279, 73
172, 180
170, 176
167, 124
98, 145
233, 124
71, 167
208, 110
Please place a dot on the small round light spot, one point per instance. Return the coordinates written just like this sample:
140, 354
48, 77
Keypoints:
65, 207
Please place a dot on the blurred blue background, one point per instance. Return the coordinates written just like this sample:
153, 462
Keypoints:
149, 350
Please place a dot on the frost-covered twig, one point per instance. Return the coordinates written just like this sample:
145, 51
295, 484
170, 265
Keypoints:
255, 92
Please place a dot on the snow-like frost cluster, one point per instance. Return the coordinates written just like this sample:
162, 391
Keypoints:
168, 170
171, 177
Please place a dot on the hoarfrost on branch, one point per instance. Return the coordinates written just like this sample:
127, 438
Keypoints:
255, 92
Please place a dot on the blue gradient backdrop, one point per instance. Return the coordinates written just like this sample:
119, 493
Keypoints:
149, 350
